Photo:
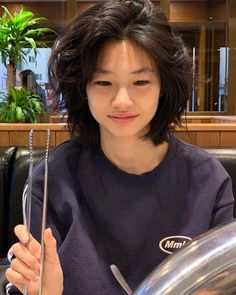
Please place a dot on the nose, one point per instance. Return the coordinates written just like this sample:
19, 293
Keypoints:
122, 99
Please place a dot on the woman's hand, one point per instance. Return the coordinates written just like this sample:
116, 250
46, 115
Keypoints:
25, 267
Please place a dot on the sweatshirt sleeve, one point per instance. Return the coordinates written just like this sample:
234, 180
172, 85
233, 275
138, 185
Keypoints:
224, 205
12, 290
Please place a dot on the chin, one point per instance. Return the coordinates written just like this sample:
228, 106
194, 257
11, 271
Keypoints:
127, 133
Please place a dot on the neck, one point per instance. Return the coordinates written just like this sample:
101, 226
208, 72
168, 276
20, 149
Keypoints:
134, 155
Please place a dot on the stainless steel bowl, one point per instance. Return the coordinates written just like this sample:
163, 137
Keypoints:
207, 266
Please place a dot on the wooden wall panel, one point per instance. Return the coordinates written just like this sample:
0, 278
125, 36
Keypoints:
4, 138
208, 139
190, 137
228, 139
218, 11
224, 119
197, 119
55, 12
180, 11
62, 136
21, 138
82, 6
198, 138
165, 6
199, 134
71, 9
188, 11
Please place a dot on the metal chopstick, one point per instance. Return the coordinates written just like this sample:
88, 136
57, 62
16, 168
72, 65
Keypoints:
45, 201
27, 220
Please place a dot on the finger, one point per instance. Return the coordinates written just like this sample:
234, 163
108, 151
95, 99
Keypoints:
52, 267
51, 255
22, 253
19, 267
22, 234
35, 248
15, 277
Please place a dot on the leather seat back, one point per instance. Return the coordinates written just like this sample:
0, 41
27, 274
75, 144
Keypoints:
227, 157
6, 162
19, 175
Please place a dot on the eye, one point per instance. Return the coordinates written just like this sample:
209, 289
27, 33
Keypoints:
102, 83
141, 82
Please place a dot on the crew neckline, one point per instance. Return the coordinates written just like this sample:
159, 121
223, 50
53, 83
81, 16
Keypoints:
143, 178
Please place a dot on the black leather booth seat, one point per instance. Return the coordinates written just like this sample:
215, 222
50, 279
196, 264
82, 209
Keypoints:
6, 159
14, 165
227, 157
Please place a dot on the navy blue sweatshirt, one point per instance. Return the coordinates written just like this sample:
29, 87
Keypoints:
101, 215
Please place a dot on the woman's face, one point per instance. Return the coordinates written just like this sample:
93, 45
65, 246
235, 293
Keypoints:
123, 94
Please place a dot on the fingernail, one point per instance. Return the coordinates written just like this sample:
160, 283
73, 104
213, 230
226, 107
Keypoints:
49, 230
25, 237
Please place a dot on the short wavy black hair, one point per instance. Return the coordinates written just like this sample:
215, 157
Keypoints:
75, 52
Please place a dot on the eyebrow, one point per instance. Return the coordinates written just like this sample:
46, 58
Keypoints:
139, 71
143, 70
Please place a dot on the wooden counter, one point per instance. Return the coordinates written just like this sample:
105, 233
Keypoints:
18, 134
209, 119
199, 134
209, 134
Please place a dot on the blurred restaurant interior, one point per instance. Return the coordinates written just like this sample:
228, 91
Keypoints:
208, 28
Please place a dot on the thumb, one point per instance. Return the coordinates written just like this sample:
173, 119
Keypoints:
51, 255
52, 267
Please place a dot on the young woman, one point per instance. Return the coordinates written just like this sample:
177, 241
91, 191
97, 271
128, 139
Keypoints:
124, 185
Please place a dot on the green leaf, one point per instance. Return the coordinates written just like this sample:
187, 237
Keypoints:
20, 115
21, 105
31, 41
19, 31
6, 11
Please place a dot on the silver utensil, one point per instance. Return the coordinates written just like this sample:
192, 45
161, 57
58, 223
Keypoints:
45, 201
27, 203
121, 280
27, 219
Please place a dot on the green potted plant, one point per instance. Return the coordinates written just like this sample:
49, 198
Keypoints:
18, 32
20, 106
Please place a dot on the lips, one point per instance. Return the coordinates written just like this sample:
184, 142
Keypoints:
122, 118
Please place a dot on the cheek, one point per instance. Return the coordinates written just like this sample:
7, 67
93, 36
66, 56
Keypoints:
153, 99
96, 108
92, 106
92, 99
151, 104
